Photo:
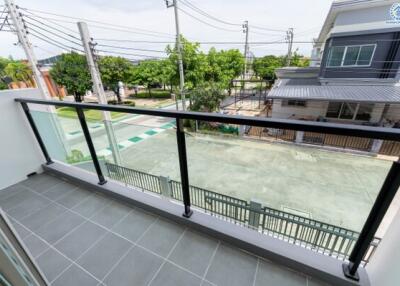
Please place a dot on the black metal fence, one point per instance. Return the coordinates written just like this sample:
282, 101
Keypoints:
315, 235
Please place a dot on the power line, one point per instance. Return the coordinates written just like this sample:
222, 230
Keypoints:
48, 26
48, 39
266, 29
53, 21
129, 48
128, 31
98, 22
206, 23
128, 54
57, 44
50, 32
202, 12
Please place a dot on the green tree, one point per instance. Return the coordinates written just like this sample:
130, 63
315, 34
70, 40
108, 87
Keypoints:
166, 73
206, 98
194, 63
265, 67
19, 71
147, 73
3, 63
224, 66
71, 71
299, 60
113, 70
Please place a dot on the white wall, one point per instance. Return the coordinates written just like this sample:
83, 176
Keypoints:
19, 151
393, 112
364, 19
313, 109
383, 269
377, 112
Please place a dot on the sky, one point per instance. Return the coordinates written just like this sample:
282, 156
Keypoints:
305, 16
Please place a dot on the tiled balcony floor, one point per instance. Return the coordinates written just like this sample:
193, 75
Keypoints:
84, 238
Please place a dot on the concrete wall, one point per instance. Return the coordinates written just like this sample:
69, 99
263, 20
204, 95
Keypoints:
313, 109
383, 269
377, 112
393, 112
19, 151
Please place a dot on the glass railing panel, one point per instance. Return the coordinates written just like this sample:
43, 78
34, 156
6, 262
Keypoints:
275, 181
148, 153
63, 138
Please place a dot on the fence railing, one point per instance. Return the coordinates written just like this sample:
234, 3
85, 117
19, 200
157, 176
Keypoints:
363, 244
315, 235
390, 148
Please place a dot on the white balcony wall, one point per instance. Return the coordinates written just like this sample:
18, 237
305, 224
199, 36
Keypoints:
19, 151
312, 110
383, 270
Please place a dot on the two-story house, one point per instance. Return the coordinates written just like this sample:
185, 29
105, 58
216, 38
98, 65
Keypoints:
354, 75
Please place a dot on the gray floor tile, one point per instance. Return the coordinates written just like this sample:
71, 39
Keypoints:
170, 233
232, 267
21, 230
111, 214
28, 205
78, 241
10, 191
43, 216
35, 245
91, 205
24, 196
193, 252
59, 227
73, 198
138, 267
104, 254
41, 183
134, 225
316, 282
52, 264
272, 274
170, 275
59, 190
75, 276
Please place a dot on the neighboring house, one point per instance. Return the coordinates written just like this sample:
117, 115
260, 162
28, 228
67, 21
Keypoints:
354, 75
44, 67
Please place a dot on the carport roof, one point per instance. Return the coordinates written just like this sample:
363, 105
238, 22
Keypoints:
309, 89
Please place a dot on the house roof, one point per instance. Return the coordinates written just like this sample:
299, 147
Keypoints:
309, 89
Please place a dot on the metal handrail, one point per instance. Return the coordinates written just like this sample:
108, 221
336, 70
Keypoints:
311, 126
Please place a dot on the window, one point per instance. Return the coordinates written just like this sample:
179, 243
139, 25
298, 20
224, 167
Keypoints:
296, 103
336, 56
350, 111
364, 111
351, 56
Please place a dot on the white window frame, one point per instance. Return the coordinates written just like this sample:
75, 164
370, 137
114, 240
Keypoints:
355, 111
344, 56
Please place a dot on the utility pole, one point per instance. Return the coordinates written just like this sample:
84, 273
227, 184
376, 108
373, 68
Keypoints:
179, 49
22, 34
98, 89
246, 46
289, 38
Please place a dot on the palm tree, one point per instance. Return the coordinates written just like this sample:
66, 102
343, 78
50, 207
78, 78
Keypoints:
19, 72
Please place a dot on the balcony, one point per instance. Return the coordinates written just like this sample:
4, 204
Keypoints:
297, 215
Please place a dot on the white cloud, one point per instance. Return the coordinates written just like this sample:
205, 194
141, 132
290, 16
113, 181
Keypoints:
153, 15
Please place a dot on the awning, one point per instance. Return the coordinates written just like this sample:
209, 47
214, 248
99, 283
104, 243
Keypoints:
306, 89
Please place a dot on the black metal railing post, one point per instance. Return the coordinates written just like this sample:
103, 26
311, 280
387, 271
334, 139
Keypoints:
86, 133
180, 136
28, 114
375, 217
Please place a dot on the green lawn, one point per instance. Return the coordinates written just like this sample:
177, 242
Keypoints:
91, 115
